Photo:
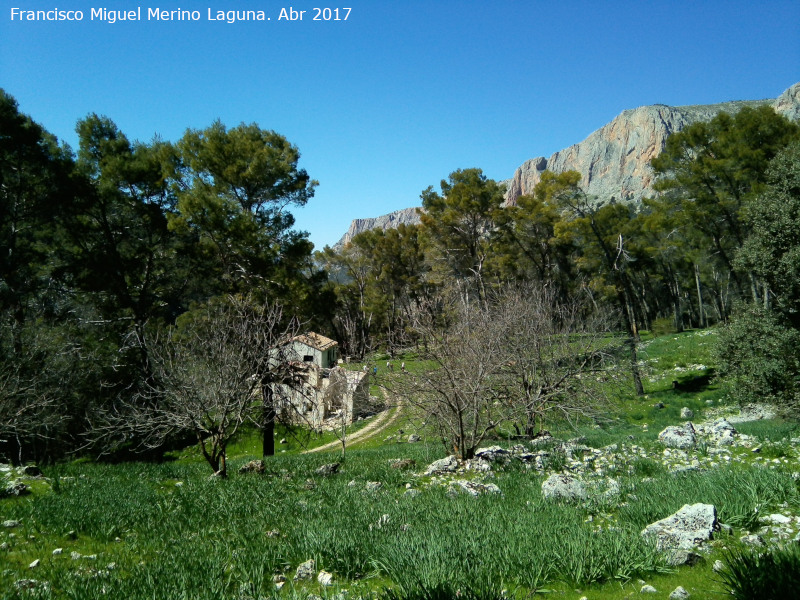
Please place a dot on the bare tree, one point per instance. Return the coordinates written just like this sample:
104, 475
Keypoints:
26, 410
220, 367
561, 356
514, 358
464, 392
36, 378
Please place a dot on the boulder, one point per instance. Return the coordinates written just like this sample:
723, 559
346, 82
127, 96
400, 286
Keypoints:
329, 469
373, 486
542, 438
721, 432
414, 438
752, 540
686, 529
449, 464
648, 589
492, 454
677, 558
306, 571
402, 463
687, 413
564, 487
254, 466
679, 594
324, 578
678, 436
474, 488
14, 488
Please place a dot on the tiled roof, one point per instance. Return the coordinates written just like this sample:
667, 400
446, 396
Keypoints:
315, 340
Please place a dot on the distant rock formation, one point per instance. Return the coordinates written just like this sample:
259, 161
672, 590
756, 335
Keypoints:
614, 161
407, 216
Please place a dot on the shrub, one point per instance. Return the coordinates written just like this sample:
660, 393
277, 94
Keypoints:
758, 357
749, 575
662, 326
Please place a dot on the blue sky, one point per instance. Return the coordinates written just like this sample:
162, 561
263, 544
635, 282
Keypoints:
402, 93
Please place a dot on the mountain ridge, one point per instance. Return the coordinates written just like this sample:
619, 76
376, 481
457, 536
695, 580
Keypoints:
614, 160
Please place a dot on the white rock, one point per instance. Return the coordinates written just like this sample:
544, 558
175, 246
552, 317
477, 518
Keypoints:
679, 594
492, 453
778, 519
34, 564
689, 527
305, 572
752, 540
474, 488
449, 464
679, 436
648, 589
325, 578
564, 487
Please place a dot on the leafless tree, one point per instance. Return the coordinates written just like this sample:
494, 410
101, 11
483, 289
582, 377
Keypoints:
220, 367
513, 358
35, 382
26, 410
462, 390
562, 356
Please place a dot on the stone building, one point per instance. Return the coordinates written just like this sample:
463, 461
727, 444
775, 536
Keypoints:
328, 390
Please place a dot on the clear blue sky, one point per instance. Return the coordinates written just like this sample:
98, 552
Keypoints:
403, 92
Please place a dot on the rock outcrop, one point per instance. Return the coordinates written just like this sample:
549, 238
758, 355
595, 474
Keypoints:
563, 487
686, 529
406, 216
614, 161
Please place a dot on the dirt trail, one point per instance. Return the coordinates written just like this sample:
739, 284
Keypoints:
383, 420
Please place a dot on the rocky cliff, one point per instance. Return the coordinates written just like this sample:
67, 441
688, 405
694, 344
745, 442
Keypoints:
406, 216
614, 160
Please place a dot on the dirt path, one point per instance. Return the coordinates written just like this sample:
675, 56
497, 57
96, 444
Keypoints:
383, 420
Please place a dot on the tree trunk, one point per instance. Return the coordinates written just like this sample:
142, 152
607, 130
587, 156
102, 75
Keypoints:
268, 422
701, 313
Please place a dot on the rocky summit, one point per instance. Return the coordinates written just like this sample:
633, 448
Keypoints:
614, 161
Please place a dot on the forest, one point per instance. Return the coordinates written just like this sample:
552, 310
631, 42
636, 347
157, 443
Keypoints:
120, 256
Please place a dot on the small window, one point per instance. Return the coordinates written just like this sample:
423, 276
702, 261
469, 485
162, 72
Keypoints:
308, 358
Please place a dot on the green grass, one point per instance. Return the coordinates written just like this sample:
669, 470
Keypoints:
767, 576
170, 531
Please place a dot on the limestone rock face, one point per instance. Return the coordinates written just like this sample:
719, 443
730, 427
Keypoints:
788, 103
406, 216
614, 161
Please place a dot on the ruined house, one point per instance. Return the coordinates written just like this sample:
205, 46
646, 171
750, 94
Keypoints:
327, 390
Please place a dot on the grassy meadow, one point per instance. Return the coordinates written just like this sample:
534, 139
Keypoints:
169, 531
